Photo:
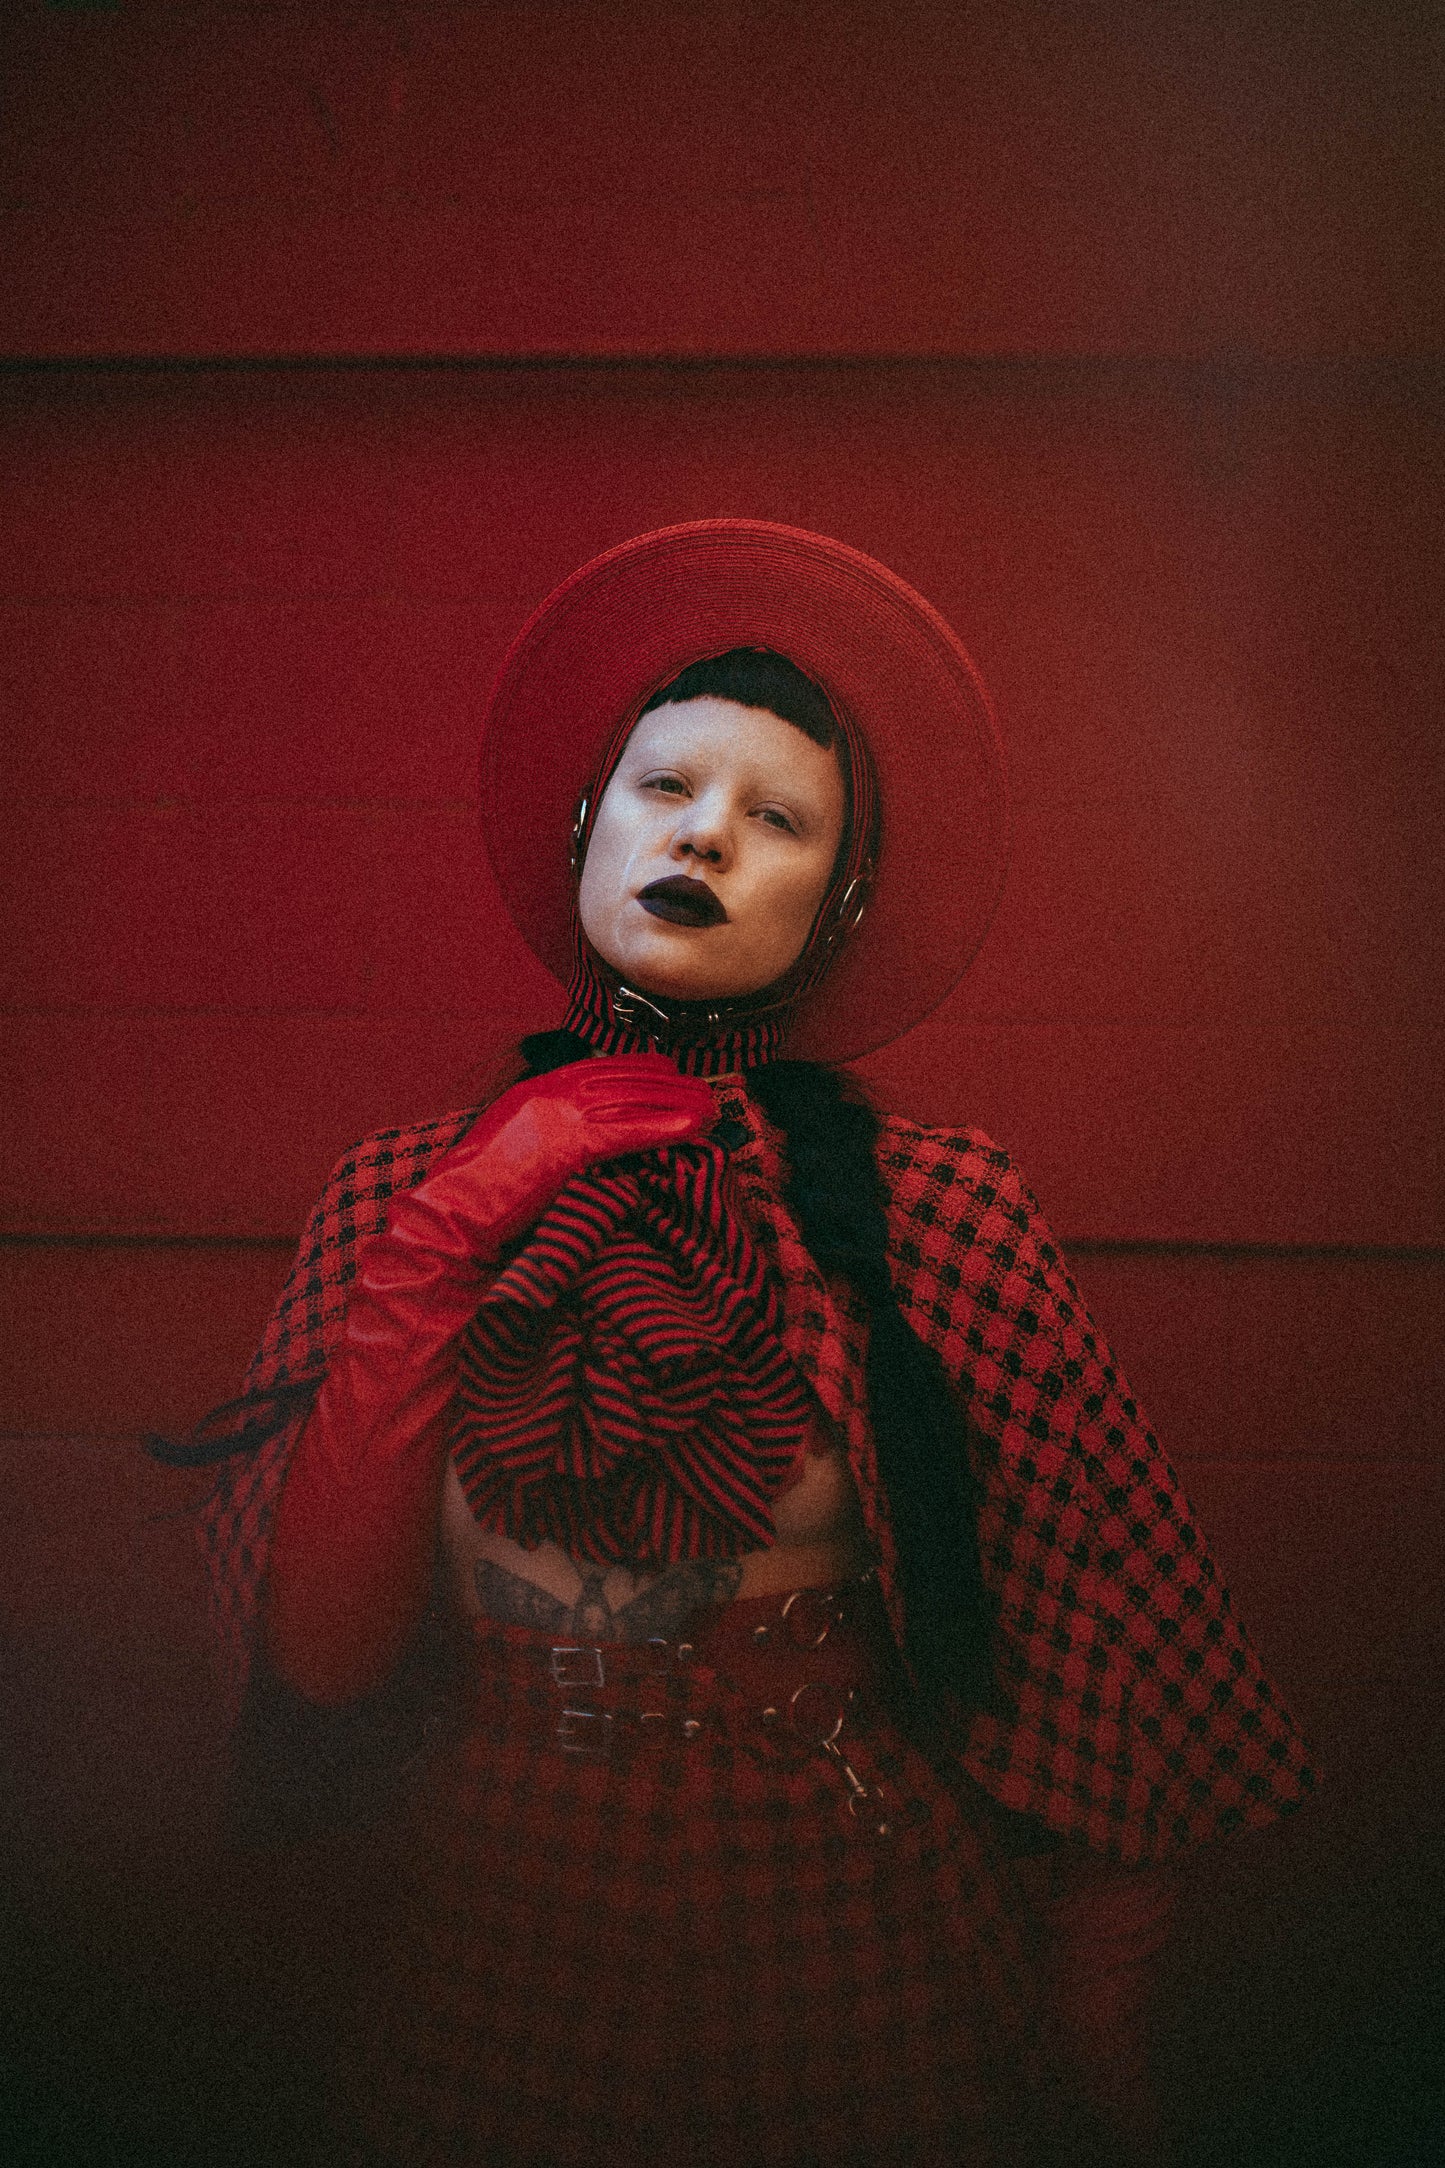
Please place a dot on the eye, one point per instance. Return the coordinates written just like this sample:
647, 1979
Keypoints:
671, 783
777, 819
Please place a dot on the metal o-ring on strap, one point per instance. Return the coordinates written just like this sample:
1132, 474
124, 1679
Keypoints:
796, 1610
820, 1726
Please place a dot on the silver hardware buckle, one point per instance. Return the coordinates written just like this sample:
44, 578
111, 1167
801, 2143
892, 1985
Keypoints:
635, 1009
586, 1733
866, 1802
577, 1667
579, 822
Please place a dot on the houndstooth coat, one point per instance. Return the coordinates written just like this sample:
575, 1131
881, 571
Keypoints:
1132, 1712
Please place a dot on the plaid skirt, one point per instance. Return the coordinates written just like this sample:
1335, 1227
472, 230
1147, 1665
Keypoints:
700, 1902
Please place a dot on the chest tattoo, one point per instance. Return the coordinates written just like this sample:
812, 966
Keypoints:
661, 1608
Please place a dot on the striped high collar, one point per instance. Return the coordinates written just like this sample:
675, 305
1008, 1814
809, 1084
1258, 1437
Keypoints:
703, 1039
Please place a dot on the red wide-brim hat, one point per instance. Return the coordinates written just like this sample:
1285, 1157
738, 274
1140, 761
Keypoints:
625, 624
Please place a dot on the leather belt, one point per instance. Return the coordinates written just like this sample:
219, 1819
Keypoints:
736, 1684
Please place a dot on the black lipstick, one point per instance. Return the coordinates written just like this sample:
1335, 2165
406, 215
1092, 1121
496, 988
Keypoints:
682, 902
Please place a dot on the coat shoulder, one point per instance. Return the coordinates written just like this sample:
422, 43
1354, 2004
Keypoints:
386, 1160
899, 1133
351, 1207
960, 1213
955, 1169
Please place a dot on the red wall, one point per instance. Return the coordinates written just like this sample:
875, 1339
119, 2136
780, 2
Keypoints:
1180, 177
1118, 333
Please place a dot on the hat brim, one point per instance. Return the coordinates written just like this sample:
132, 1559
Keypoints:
631, 619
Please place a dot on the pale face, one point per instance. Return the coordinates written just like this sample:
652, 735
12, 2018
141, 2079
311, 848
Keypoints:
739, 813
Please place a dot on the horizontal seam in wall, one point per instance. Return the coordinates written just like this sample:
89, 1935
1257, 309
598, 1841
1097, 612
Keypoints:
71, 1436
1074, 1246
1182, 1460
1315, 368
1291, 1252
133, 1012
199, 807
23, 1241
186, 598
1308, 1456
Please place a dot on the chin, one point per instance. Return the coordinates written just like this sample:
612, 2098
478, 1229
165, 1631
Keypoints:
674, 978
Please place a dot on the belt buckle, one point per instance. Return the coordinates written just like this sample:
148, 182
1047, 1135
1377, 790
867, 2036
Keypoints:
587, 1733
577, 1666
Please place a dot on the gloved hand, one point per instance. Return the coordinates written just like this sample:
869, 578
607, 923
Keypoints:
1104, 1928
531, 1141
355, 1535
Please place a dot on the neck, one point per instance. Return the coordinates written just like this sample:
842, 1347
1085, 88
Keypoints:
703, 1038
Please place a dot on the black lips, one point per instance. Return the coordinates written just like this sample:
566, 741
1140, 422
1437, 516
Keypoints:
682, 902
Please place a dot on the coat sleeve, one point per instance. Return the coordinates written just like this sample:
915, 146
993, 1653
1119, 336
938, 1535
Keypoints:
1132, 1711
286, 1371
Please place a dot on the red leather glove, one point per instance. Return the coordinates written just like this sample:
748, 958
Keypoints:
355, 1535
1104, 1927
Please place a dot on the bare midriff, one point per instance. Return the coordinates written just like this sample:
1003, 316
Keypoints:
820, 1541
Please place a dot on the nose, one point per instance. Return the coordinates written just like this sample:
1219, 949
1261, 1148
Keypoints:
702, 834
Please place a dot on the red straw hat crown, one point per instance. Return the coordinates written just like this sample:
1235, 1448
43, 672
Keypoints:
627, 622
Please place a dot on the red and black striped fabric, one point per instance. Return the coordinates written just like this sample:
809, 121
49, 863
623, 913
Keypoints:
1135, 1715
697, 1039
623, 1389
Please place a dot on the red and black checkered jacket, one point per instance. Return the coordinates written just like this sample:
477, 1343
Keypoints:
1133, 1712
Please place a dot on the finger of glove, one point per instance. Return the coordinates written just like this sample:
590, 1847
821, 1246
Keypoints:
542, 1143
586, 1089
637, 1129
694, 1104
651, 1095
544, 1129
614, 1085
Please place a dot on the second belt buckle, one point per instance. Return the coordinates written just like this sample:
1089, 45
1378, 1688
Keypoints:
586, 1733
